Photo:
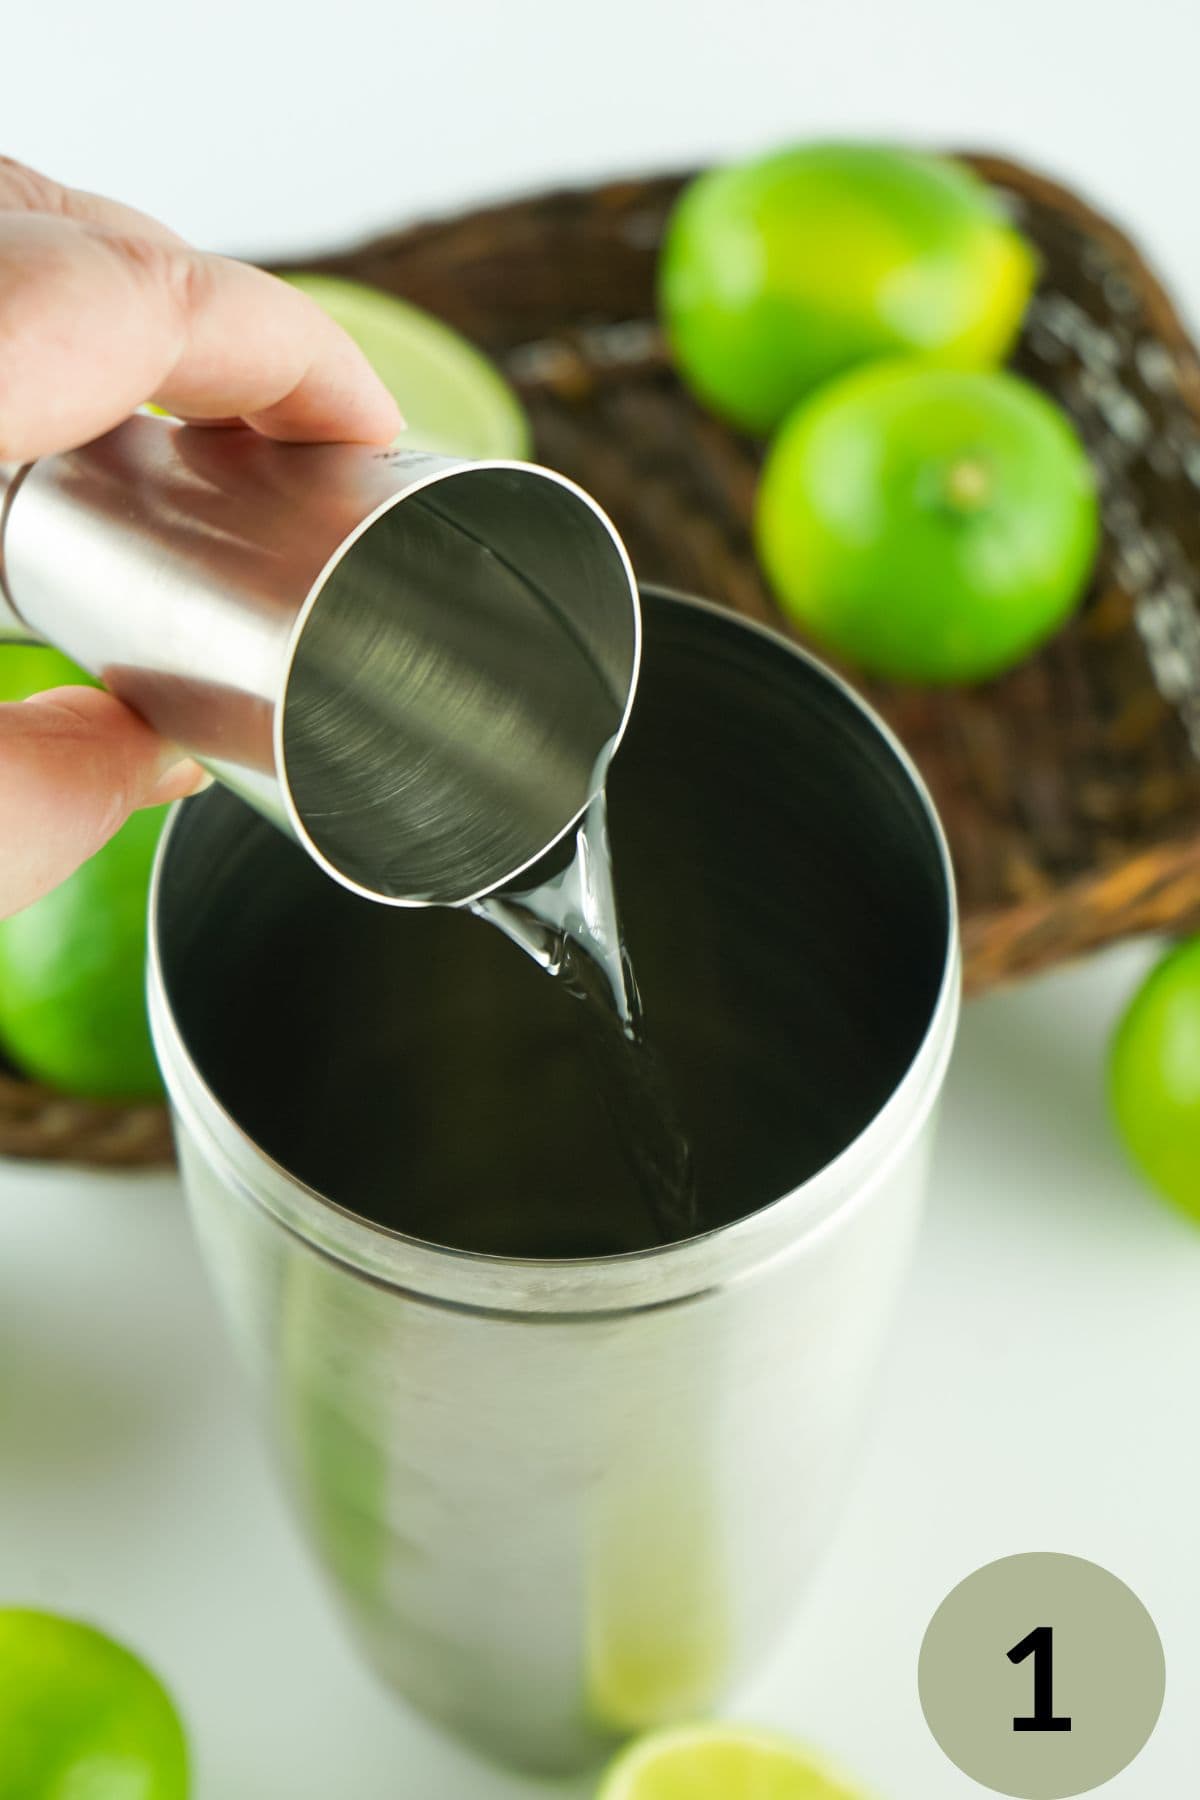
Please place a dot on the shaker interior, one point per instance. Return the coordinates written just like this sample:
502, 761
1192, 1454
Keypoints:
462, 671
785, 905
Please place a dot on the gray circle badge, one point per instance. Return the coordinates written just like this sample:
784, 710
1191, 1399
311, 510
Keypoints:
1042, 1676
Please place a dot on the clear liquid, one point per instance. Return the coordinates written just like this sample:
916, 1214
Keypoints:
570, 926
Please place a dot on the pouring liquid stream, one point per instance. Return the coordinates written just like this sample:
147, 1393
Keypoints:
570, 926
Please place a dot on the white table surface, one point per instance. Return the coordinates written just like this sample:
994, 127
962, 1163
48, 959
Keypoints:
1041, 1388
1039, 1393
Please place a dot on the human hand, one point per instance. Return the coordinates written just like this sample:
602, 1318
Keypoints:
101, 310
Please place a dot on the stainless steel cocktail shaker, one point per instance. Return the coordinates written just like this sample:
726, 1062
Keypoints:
416, 666
564, 1487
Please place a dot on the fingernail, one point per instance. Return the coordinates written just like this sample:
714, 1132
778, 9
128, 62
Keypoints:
178, 777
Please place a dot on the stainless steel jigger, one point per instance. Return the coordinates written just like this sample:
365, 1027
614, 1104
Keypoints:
416, 666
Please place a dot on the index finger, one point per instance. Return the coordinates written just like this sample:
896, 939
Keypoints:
101, 310
23, 189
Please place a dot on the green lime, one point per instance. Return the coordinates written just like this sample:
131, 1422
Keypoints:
454, 399
31, 668
780, 273
81, 1718
1154, 1077
72, 1001
72, 994
930, 524
719, 1762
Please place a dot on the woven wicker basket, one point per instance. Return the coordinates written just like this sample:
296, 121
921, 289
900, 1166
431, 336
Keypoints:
1070, 788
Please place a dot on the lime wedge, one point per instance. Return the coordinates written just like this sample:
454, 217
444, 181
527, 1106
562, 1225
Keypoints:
719, 1762
453, 398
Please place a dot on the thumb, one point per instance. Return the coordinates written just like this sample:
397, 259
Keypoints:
74, 763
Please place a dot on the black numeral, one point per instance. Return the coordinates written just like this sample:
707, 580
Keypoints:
1040, 1645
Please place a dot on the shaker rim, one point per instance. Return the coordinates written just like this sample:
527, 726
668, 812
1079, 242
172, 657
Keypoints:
560, 1289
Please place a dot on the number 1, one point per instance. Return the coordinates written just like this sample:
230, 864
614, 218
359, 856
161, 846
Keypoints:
1040, 1645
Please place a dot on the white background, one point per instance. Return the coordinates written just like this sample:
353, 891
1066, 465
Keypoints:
275, 128
1042, 1389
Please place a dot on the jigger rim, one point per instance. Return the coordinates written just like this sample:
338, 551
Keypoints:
558, 1290
451, 470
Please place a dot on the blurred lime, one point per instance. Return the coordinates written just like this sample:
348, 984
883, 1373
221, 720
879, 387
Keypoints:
81, 1718
1154, 1077
780, 273
719, 1762
72, 1003
31, 668
930, 524
658, 1624
72, 965
454, 399
72, 1008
